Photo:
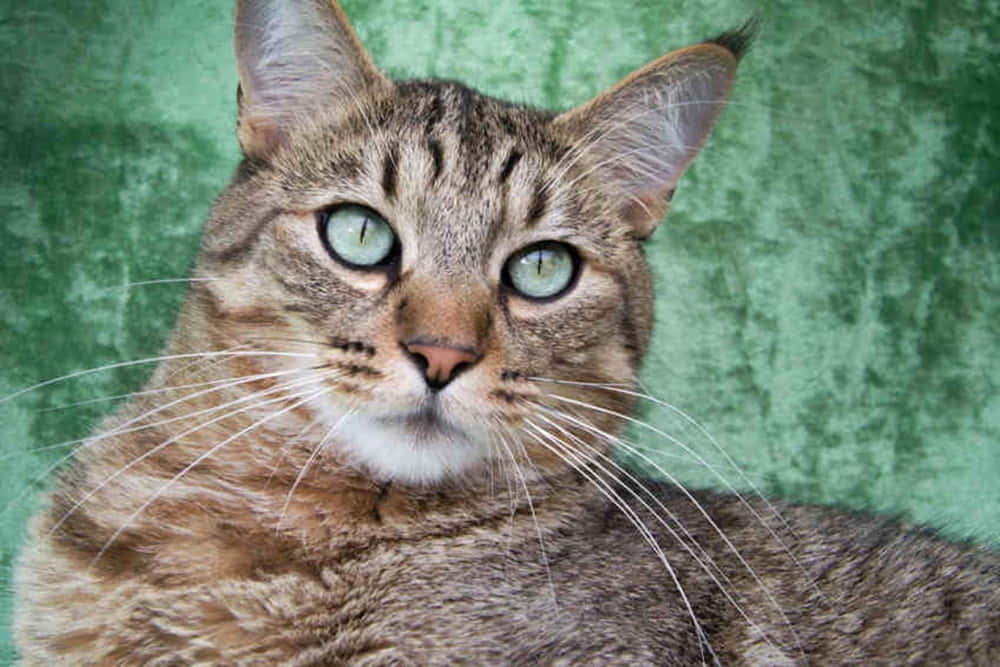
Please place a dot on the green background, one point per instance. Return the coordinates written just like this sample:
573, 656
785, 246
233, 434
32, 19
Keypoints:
828, 279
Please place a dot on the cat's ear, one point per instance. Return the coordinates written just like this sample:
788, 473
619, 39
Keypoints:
295, 57
643, 132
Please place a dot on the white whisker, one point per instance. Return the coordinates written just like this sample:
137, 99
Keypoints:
512, 488
159, 281
122, 430
687, 494
148, 360
280, 456
698, 426
305, 468
163, 445
150, 392
534, 518
566, 453
659, 504
205, 455
740, 497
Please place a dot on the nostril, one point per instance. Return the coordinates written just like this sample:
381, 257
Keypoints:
417, 358
459, 367
440, 363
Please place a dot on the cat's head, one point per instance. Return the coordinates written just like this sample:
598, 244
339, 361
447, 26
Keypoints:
455, 263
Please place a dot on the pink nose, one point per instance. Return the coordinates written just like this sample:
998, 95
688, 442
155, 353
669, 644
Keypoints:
440, 363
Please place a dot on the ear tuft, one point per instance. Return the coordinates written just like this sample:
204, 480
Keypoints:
739, 40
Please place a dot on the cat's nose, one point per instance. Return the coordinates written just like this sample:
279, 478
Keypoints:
440, 363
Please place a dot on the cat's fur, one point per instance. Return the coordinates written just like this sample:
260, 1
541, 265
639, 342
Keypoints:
354, 510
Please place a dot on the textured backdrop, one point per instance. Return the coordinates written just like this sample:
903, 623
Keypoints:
828, 279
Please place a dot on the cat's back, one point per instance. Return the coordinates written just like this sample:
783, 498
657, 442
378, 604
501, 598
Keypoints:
772, 583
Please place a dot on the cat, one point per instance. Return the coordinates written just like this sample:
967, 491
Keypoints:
411, 345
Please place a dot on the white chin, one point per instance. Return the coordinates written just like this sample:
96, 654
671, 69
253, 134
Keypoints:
401, 453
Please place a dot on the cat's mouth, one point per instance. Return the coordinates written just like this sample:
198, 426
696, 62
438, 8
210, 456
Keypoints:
420, 443
425, 422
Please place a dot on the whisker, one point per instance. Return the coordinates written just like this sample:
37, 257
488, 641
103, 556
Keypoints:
698, 426
205, 455
284, 339
148, 392
566, 453
148, 360
199, 366
740, 497
122, 428
659, 503
512, 489
534, 518
158, 281
673, 440
204, 365
694, 501
163, 445
280, 456
628, 475
305, 468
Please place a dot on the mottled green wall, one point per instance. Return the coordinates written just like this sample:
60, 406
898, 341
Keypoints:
828, 280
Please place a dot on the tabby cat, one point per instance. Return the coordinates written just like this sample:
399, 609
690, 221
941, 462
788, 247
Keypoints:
382, 430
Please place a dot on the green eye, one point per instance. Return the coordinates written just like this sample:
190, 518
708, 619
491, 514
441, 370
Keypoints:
357, 235
542, 270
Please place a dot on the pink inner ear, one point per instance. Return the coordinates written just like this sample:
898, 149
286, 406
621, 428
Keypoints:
259, 135
645, 212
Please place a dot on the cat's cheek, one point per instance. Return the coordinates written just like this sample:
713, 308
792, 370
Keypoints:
586, 323
400, 389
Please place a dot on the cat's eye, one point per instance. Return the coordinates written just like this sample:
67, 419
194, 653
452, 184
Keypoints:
357, 235
541, 271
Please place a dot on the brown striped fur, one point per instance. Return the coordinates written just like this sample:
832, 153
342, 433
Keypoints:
363, 517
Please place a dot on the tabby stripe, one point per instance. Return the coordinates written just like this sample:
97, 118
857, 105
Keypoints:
539, 203
628, 326
437, 156
389, 172
434, 115
239, 250
508, 165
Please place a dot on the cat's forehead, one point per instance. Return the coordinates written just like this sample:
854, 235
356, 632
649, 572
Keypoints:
451, 107
457, 171
458, 126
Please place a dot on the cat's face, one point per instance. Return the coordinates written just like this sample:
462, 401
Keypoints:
450, 261
452, 187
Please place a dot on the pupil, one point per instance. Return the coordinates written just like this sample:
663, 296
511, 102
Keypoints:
364, 230
539, 269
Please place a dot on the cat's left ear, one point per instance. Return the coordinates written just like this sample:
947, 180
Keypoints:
296, 58
642, 133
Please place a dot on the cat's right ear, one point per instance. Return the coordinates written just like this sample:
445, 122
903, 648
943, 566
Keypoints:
295, 57
642, 133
